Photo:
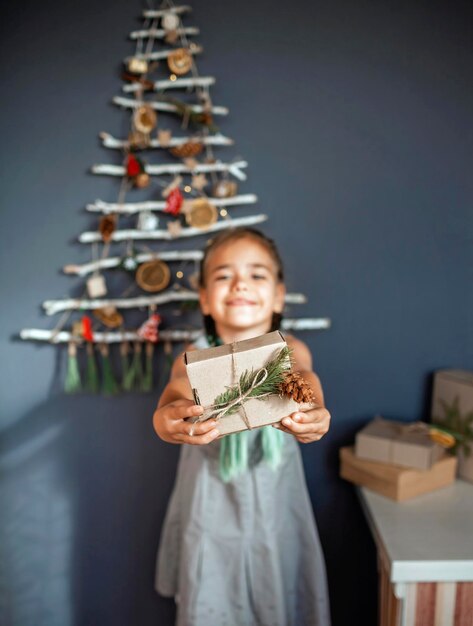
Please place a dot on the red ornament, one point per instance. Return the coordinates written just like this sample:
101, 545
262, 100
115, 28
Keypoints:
149, 330
174, 202
133, 166
87, 328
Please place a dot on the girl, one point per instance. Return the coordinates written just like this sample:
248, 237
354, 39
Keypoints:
241, 550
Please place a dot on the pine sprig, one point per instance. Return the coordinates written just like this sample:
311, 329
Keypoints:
276, 368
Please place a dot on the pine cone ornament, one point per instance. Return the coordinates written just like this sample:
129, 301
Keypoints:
294, 386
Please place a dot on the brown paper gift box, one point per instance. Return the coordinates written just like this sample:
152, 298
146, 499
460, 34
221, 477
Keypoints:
210, 371
403, 444
393, 481
450, 385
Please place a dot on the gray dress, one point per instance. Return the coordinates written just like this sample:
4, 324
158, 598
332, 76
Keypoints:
244, 553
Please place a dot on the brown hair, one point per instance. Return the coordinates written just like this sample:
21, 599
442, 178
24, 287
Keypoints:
234, 234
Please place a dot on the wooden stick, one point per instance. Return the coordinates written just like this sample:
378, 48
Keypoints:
178, 10
52, 307
179, 83
176, 168
159, 55
110, 262
211, 140
159, 33
167, 107
123, 235
308, 323
135, 207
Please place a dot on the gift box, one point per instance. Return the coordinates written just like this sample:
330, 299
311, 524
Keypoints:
232, 369
393, 481
388, 441
452, 408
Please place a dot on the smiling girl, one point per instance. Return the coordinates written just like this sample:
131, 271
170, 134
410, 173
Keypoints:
239, 546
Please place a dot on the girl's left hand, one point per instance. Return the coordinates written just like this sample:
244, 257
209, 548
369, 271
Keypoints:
306, 426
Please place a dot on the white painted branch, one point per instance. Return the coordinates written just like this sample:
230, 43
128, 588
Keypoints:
159, 55
131, 103
179, 83
159, 33
110, 262
176, 168
211, 140
178, 10
182, 295
72, 304
308, 323
129, 208
124, 235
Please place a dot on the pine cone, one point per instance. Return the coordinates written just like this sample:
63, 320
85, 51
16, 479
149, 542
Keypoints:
295, 386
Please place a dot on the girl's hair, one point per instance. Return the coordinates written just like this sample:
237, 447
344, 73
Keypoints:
234, 234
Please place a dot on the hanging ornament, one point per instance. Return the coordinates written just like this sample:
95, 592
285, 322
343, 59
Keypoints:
145, 119
129, 262
225, 189
109, 316
191, 163
201, 214
170, 21
138, 140
133, 166
174, 228
76, 330
199, 181
147, 381
109, 384
149, 329
187, 149
153, 276
171, 36
96, 287
193, 280
164, 138
180, 61
137, 66
147, 221
92, 375
87, 333
142, 180
107, 227
72, 384
174, 202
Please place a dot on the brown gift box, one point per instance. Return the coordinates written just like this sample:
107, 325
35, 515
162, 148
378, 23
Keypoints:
392, 481
449, 386
211, 371
399, 443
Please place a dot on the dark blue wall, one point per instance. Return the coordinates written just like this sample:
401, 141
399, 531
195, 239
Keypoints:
356, 121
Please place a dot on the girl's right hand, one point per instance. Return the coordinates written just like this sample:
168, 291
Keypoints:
171, 425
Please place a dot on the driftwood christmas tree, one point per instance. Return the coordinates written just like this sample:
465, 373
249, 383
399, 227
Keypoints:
174, 186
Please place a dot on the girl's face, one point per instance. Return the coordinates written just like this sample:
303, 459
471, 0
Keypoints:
241, 289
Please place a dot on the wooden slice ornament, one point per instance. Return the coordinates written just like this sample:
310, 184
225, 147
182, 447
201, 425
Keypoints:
225, 189
109, 316
187, 150
201, 214
170, 21
153, 276
137, 66
180, 61
145, 119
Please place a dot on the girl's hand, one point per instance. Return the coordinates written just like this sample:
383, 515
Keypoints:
171, 425
306, 426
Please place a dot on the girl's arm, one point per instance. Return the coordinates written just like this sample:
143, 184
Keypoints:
175, 406
313, 424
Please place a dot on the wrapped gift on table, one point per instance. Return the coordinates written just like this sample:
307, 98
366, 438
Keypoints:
393, 481
227, 380
452, 408
406, 444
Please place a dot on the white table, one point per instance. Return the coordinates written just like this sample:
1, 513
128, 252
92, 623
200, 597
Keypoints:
425, 556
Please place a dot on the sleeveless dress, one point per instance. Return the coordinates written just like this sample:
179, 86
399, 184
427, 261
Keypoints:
243, 553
